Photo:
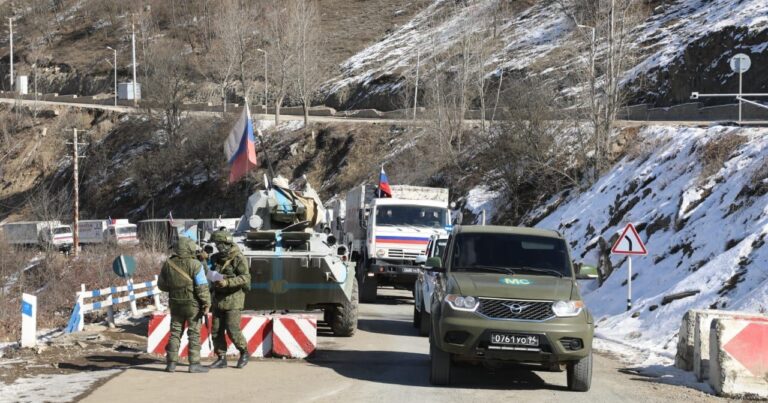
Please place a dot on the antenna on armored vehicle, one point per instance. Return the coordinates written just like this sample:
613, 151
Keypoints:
271, 172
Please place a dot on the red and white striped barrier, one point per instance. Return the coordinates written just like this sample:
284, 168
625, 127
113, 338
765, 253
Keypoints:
257, 330
738, 366
294, 336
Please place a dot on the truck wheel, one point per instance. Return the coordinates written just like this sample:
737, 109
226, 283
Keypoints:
579, 374
441, 364
344, 317
424, 322
368, 293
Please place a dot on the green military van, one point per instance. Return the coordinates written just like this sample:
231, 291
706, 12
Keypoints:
509, 294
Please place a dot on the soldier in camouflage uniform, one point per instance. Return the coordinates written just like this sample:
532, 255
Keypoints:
229, 297
183, 277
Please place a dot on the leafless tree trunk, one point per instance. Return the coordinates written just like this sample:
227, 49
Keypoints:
603, 28
281, 50
304, 22
168, 80
234, 53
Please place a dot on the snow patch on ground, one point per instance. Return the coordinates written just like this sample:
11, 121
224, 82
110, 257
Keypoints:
482, 198
52, 388
703, 234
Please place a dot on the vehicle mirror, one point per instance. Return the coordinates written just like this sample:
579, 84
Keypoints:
586, 272
421, 259
434, 262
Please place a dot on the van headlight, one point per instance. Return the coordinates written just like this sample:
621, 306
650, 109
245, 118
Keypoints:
462, 303
381, 253
565, 309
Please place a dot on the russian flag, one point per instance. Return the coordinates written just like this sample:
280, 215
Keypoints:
384, 189
240, 147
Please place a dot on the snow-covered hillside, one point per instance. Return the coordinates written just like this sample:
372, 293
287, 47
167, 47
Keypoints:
699, 198
695, 38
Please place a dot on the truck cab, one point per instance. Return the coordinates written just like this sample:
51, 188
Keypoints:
122, 234
58, 236
387, 235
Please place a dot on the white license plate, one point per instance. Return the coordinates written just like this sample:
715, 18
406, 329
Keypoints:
528, 340
410, 270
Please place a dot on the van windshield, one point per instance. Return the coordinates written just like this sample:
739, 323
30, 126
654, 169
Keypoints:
126, 230
419, 216
511, 253
61, 230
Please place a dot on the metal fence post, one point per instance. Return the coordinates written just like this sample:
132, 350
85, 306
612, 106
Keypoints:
132, 298
80, 300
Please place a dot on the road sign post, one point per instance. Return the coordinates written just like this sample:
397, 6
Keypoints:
629, 243
740, 63
28, 320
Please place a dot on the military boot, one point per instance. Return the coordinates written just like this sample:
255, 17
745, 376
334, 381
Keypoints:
197, 368
243, 361
170, 365
220, 362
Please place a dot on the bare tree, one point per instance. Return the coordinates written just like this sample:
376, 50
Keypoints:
168, 72
48, 204
308, 73
536, 150
604, 29
282, 53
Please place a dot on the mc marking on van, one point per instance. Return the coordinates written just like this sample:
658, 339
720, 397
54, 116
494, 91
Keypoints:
515, 281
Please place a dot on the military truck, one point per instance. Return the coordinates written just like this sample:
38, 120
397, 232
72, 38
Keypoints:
293, 266
509, 294
45, 234
387, 235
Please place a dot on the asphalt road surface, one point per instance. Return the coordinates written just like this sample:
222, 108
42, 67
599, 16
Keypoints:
384, 362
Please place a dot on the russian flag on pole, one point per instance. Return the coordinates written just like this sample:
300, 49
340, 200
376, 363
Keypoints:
240, 147
384, 189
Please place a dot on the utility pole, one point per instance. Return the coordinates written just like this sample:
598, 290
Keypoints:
416, 90
115, 66
76, 195
10, 27
133, 58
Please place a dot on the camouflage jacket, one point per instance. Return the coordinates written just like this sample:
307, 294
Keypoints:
234, 268
184, 280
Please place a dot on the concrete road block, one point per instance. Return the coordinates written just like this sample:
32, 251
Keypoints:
684, 356
257, 330
294, 336
738, 367
702, 322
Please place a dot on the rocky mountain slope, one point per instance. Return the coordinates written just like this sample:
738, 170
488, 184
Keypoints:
699, 199
681, 45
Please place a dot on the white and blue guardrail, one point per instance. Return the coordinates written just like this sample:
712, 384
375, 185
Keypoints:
112, 298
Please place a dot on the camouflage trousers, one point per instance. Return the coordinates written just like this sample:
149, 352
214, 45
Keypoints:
180, 314
228, 321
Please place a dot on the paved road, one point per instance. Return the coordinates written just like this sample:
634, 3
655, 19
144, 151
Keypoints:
385, 361
328, 119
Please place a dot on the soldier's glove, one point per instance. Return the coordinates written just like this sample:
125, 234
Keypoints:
221, 283
206, 309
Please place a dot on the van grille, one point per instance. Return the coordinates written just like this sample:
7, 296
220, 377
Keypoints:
402, 254
508, 309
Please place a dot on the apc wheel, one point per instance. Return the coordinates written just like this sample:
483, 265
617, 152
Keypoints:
368, 293
440, 373
344, 317
579, 374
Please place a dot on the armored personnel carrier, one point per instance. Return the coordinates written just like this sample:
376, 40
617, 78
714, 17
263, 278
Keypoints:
294, 266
